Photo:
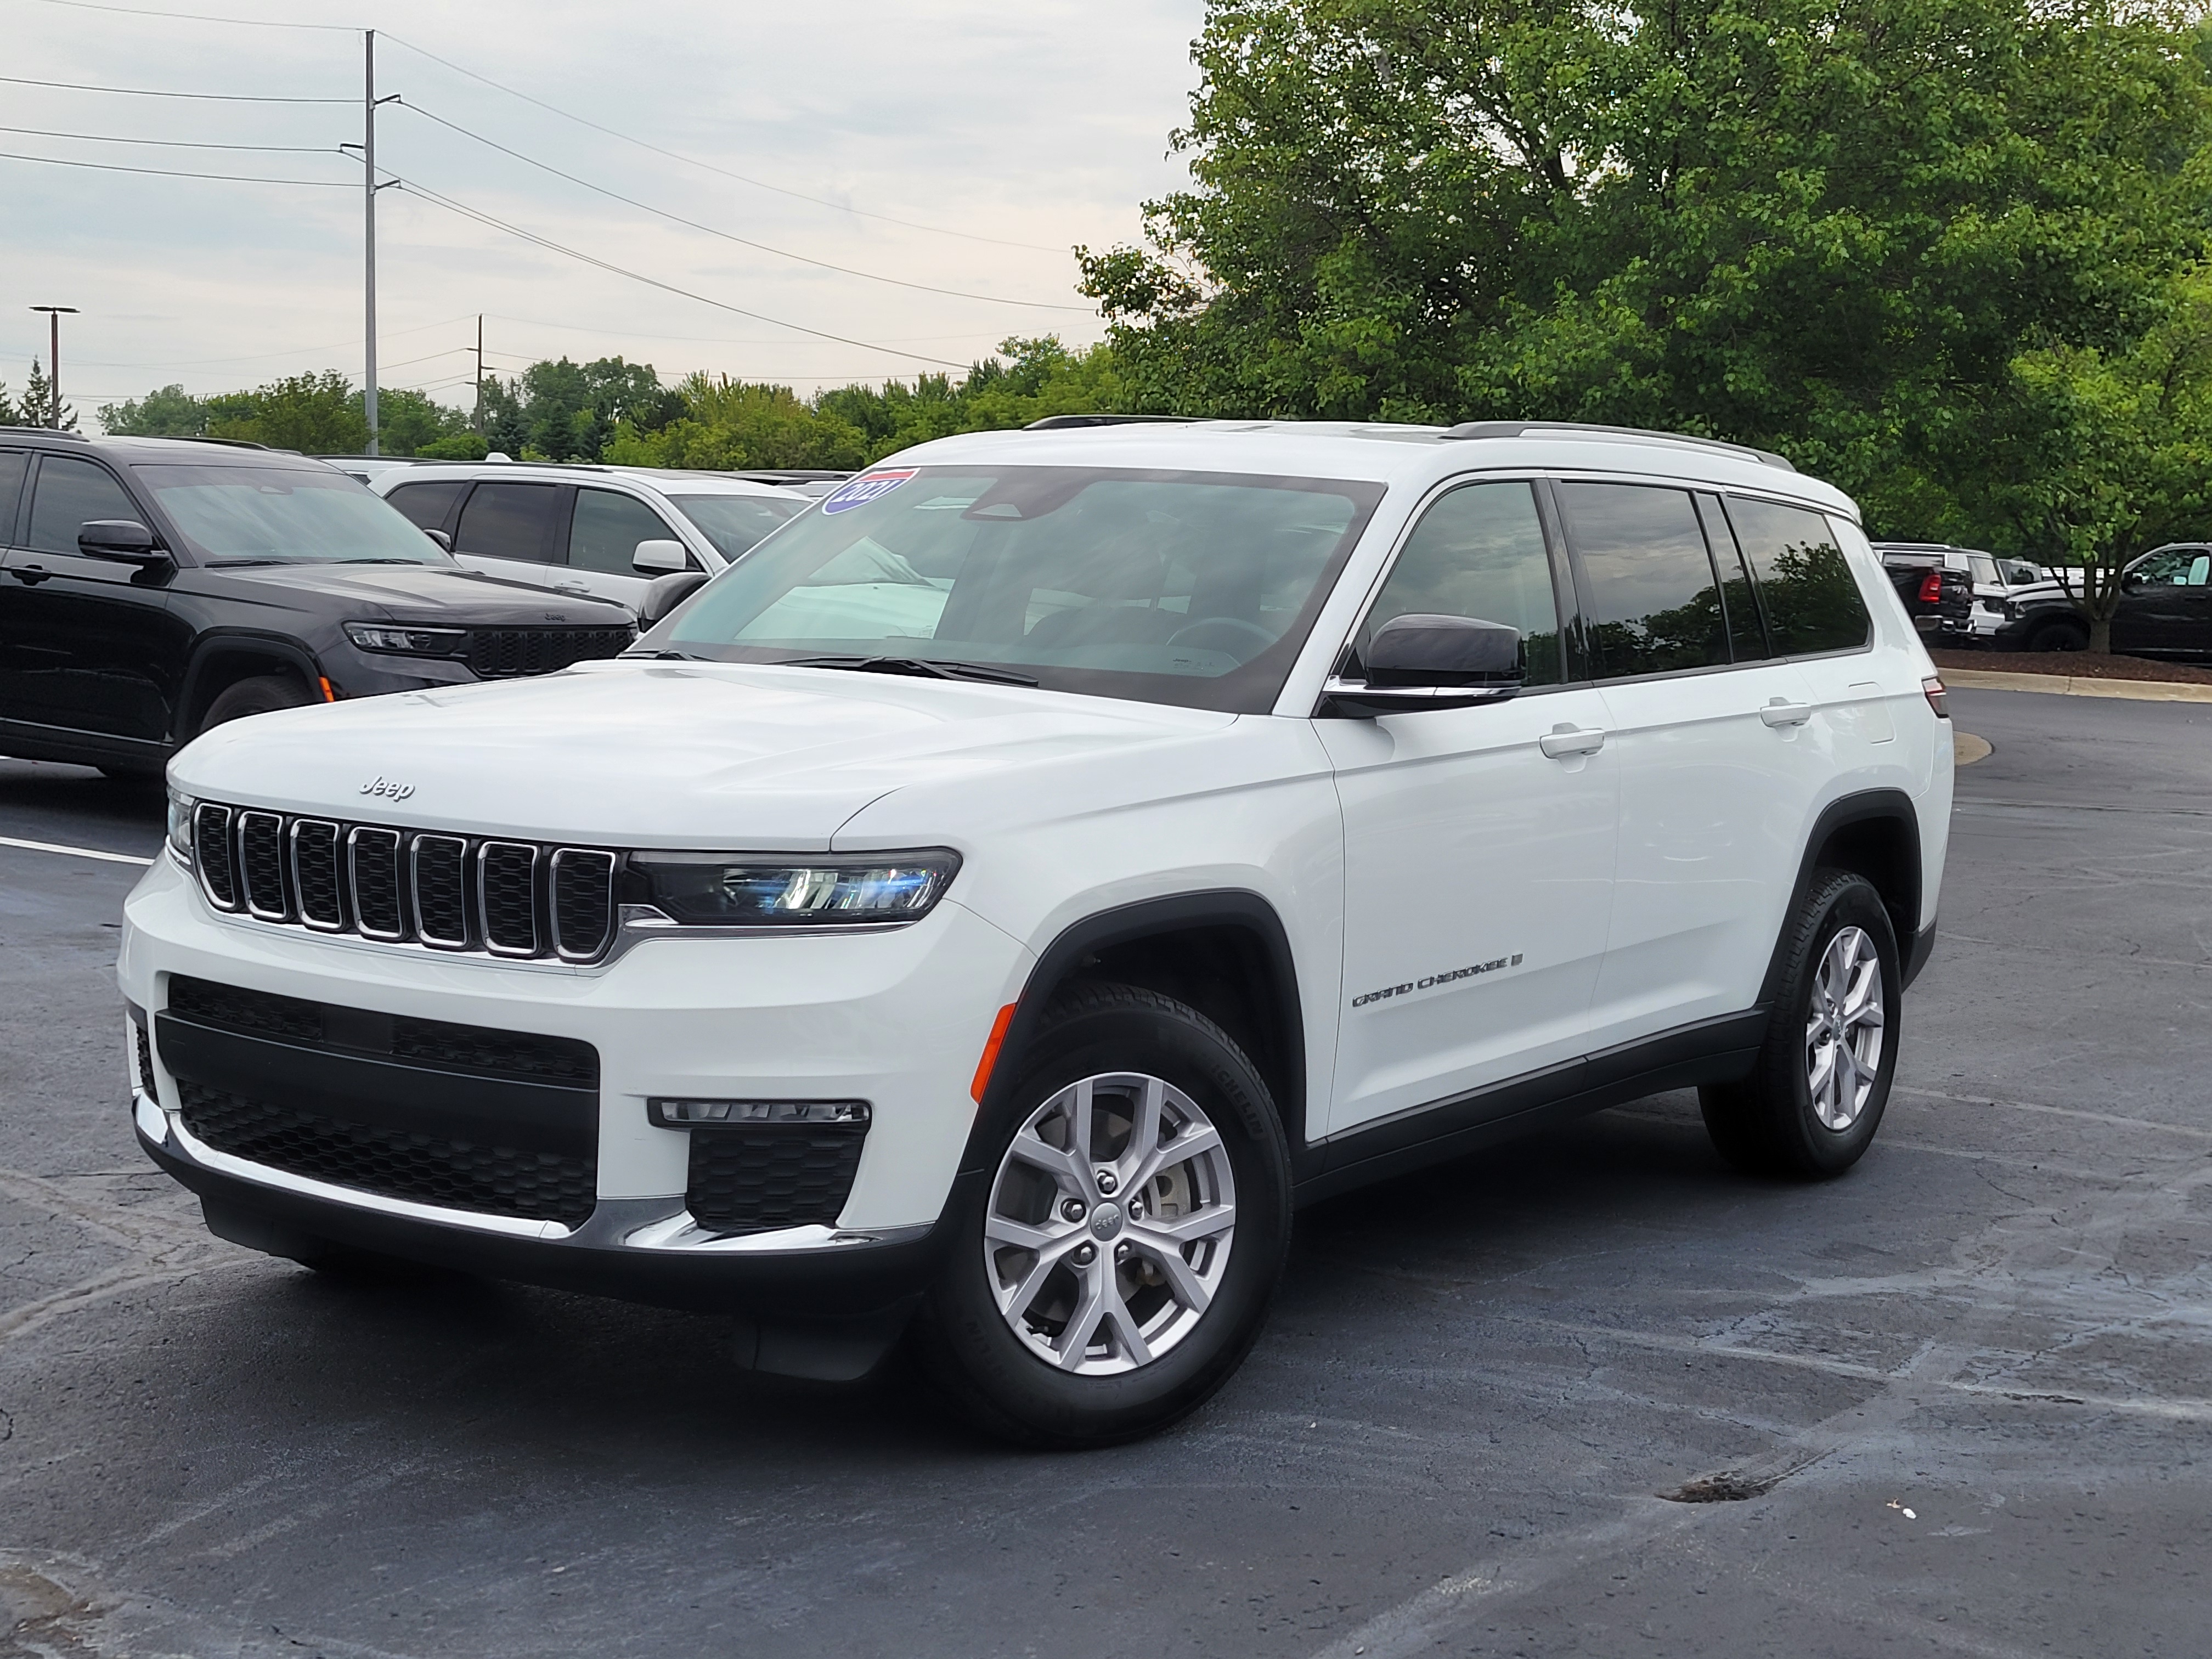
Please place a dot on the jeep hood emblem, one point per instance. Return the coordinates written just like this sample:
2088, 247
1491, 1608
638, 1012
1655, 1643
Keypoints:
389, 790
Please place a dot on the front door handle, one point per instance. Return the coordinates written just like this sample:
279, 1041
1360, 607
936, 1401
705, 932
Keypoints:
1563, 740
1780, 712
30, 574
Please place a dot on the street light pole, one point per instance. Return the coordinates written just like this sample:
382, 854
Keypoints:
369, 237
54, 314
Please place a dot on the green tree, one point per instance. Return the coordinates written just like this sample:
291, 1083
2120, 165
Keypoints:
566, 411
37, 407
314, 414
408, 421
170, 411
1833, 228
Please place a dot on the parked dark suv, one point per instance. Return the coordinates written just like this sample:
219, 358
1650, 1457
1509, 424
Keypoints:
152, 588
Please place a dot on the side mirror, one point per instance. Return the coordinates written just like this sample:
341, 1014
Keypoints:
1417, 662
661, 555
441, 539
126, 541
666, 593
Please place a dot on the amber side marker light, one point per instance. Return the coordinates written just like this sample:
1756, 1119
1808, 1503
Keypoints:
991, 1052
329, 694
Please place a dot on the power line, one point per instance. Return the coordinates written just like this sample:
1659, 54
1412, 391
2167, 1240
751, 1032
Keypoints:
292, 351
710, 339
171, 172
170, 144
693, 161
148, 92
482, 218
202, 17
727, 236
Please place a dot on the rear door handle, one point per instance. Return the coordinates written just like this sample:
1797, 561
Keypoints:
29, 573
1564, 740
1780, 712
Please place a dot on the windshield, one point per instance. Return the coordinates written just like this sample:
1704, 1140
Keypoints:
285, 515
734, 523
1176, 587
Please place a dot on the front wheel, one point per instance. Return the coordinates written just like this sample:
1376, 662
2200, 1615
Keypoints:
1816, 1094
1116, 1266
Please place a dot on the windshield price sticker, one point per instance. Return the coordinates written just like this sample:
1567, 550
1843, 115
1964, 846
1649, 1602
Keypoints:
860, 491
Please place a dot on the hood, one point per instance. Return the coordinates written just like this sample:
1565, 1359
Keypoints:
643, 754
399, 592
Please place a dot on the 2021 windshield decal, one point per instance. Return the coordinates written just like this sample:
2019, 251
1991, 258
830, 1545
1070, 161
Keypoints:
859, 492
1430, 982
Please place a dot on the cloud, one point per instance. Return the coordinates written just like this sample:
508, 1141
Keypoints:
1043, 123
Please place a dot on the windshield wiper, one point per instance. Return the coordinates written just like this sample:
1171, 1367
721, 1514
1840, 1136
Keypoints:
664, 655
233, 564
920, 667
380, 562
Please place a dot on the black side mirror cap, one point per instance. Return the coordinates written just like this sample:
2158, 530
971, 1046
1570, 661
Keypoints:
666, 593
1417, 650
124, 540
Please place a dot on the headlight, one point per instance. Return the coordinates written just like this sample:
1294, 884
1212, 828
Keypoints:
181, 828
731, 889
408, 642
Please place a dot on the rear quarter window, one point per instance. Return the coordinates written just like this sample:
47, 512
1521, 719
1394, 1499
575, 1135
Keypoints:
428, 506
1812, 600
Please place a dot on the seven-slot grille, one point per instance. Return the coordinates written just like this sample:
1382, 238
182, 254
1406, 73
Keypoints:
509, 899
498, 653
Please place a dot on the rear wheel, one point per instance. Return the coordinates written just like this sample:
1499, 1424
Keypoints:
261, 695
1816, 1094
2068, 635
1116, 1266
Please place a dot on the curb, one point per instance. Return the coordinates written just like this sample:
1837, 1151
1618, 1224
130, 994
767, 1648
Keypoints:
1989, 679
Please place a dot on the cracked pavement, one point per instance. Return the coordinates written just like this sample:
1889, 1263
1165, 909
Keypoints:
1969, 1382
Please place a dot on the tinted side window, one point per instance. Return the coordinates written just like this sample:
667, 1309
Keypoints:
428, 506
607, 528
2170, 567
14, 462
1655, 605
1478, 552
1813, 603
510, 522
1747, 633
70, 491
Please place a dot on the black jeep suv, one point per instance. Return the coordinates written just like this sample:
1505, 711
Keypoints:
152, 588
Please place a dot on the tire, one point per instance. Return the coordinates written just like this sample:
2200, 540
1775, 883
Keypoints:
1773, 1122
1161, 1340
258, 696
2059, 636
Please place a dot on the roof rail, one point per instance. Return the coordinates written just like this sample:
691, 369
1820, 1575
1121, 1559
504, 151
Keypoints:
1069, 422
45, 432
1522, 428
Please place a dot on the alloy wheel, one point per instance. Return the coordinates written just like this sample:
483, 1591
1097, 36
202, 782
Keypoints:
1844, 1029
1110, 1224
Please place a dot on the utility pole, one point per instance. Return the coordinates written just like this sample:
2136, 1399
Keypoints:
370, 187
54, 314
369, 233
479, 374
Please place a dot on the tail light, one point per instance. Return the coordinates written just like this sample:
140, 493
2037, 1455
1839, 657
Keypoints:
1938, 698
1931, 589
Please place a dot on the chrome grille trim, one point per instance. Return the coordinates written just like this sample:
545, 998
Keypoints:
215, 854
315, 846
261, 866
425, 889
425, 855
381, 847
575, 866
495, 897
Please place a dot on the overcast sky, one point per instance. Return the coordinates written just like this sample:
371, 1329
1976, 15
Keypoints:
1042, 123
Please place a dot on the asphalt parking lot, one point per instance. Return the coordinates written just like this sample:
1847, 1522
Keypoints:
1969, 1385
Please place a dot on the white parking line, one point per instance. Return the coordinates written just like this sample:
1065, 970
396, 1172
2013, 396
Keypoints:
74, 852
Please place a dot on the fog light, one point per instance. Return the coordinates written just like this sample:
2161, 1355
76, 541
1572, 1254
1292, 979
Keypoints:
744, 1113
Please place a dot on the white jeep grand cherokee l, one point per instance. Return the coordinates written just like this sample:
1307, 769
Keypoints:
984, 912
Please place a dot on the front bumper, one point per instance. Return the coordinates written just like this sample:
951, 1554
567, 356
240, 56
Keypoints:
894, 1018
